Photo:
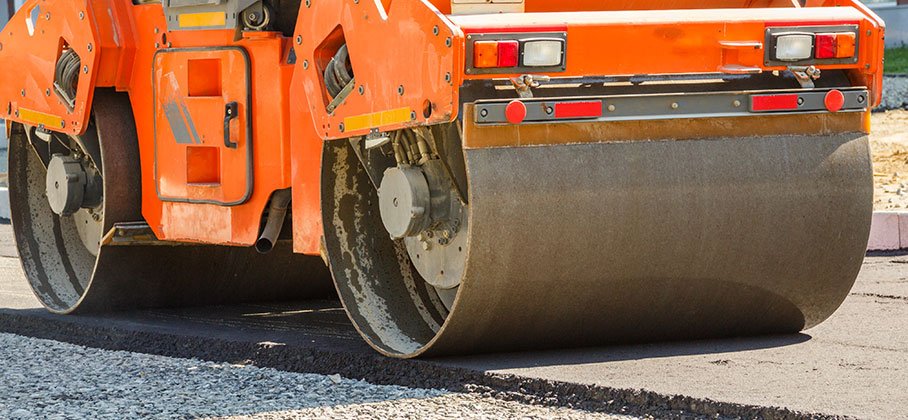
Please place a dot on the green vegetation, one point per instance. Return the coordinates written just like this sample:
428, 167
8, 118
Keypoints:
897, 60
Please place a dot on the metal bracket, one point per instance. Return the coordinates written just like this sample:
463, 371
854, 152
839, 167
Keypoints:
525, 84
342, 96
805, 75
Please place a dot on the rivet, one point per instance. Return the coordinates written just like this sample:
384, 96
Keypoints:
549, 110
861, 99
736, 103
800, 101
611, 108
675, 105
85, 69
484, 113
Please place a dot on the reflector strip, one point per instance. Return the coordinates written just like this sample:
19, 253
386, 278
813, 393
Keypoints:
202, 20
773, 102
578, 110
40, 118
377, 119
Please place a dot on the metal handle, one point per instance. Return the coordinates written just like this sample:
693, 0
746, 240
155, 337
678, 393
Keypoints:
230, 113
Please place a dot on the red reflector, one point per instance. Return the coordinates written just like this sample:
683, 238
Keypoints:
826, 46
773, 102
508, 53
515, 112
835, 100
578, 110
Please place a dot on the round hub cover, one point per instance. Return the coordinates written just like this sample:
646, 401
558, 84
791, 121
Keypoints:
404, 200
65, 185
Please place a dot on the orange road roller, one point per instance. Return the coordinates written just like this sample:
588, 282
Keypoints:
467, 175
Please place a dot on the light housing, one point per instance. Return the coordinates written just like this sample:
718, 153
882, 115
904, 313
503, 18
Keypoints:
543, 53
794, 46
516, 52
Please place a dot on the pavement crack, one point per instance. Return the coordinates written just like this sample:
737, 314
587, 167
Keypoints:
881, 296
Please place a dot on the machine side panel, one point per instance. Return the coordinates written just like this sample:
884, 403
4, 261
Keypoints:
98, 33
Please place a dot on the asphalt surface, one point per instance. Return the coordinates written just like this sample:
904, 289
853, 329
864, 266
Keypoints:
855, 364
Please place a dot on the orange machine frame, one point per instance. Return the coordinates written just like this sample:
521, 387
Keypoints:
408, 57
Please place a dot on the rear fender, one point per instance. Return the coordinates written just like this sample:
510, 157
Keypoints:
100, 32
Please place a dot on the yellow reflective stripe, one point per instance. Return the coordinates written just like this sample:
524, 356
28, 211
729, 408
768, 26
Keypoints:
202, 20
377, 119
40, 118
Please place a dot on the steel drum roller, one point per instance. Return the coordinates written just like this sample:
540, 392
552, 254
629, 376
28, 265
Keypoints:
616, 241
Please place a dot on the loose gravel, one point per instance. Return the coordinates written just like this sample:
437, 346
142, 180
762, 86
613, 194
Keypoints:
48, 379
895, 92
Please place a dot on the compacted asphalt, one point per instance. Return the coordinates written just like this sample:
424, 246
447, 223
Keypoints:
855, 364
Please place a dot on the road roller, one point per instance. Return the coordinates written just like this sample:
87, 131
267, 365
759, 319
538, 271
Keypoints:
467, 176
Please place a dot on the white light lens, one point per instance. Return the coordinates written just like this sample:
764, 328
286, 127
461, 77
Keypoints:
545, 53
794, 47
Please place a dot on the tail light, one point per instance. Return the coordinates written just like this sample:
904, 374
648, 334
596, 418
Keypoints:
515, 52
835, 45
811, 45
496, 54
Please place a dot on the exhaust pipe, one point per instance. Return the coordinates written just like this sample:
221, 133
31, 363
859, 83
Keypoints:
277, 212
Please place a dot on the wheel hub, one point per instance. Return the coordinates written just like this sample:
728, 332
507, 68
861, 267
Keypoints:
73, 191
66, 182
420, 206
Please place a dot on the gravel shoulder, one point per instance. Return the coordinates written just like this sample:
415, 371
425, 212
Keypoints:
48, 379
889, 145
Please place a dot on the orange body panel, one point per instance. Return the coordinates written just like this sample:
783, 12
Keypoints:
408, 60
33, 39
